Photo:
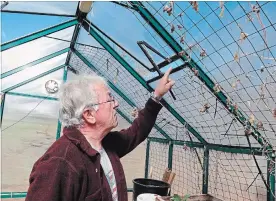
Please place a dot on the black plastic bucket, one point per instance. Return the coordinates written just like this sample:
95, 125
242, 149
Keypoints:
141, 185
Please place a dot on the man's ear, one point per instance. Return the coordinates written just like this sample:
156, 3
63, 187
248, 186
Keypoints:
89, 116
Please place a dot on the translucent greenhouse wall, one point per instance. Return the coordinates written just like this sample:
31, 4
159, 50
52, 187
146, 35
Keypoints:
223, 56
25, 137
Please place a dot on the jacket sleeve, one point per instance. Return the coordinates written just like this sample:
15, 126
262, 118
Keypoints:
53, 180
126, 140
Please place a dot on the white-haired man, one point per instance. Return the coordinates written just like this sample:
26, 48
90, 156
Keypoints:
84, 164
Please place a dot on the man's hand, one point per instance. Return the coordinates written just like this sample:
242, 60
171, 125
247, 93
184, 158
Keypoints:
164, 85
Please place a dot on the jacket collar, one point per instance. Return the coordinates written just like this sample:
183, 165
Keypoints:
78, 139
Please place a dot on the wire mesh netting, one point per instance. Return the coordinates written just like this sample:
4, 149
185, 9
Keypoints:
207, 114
231, 176
188, 166
244, 67
236, 177
216, 124
158, 160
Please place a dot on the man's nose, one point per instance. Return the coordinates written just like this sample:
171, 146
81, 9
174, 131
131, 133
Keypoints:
116, 104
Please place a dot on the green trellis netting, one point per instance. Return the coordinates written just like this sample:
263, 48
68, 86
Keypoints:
218, 135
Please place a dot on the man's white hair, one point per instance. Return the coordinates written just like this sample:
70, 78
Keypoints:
77, 95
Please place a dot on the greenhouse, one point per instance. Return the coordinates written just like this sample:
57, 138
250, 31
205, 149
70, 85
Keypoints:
216, 132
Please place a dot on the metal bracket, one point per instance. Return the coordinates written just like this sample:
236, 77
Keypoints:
140, 44
4, 4
156, 67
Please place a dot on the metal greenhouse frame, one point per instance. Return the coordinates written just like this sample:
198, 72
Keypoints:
198, 148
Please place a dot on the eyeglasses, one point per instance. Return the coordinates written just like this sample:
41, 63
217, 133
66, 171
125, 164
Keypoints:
111, 99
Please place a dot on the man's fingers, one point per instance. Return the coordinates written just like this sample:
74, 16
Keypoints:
170, 84
166, 75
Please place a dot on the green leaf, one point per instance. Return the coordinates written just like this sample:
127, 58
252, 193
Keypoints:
176, 197
186, 197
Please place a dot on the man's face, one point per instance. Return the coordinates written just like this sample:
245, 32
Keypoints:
106, 116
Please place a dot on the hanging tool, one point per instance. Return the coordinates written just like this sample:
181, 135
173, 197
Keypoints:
140, 44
